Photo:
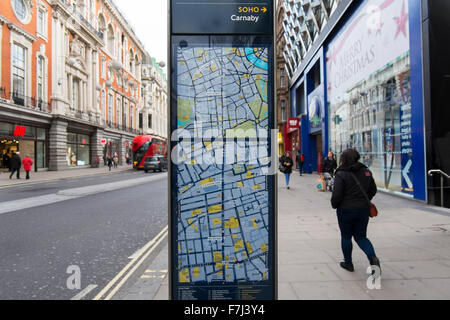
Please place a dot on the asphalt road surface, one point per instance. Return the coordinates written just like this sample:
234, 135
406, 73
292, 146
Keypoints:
97, 233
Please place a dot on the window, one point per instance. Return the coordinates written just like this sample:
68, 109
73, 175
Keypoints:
75, 94
103, 67
78, 149
18, 74
125, 115
40, 80
110, 103
110, 40
41, 22
21, 10
118, 111
282, 78
150, 121
141, 121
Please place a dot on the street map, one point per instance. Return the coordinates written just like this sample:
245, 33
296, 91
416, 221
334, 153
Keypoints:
223, 198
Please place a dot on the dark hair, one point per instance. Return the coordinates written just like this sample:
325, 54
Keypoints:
349, 157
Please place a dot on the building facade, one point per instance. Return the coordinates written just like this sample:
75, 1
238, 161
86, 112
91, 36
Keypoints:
358, 79
73, 79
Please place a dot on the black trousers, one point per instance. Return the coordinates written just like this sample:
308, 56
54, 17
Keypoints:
13, 171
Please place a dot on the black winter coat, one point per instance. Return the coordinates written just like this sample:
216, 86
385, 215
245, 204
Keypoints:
329, 165
16, 162
288, 168
346, 193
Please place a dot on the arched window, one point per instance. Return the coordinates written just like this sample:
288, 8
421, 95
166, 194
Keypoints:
102, 25
131, 61
110, 39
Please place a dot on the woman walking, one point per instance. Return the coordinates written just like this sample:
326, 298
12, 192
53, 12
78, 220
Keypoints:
351, 177
287, 164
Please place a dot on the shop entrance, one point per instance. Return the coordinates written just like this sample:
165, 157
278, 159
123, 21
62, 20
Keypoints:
9, 147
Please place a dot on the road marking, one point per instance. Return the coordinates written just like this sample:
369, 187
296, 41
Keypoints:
137, 253
83, 293
145, 251
145, 276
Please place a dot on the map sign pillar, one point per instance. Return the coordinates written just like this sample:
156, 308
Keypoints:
222, 176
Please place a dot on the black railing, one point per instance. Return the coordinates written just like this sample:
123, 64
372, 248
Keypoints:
21, 100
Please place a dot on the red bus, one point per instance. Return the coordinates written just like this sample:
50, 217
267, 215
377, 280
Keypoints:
147, 146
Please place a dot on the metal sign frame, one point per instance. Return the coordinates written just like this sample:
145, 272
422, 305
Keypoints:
172, 97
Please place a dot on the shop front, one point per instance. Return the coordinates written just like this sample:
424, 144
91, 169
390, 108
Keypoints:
362, 89
372, 98
78, 150
30, 141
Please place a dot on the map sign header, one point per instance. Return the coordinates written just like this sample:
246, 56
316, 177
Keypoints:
222, 17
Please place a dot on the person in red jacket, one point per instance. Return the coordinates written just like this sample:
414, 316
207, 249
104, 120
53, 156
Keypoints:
27, 165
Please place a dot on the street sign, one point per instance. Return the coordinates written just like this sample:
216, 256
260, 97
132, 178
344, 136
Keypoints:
222, 200
222, 17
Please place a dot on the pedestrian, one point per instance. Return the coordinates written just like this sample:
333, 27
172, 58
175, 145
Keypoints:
301, 163
116, 160
5, 160
127, 158
353, 207
329, 166
16, 164
110, 163
27, 165
287, 164
97, 162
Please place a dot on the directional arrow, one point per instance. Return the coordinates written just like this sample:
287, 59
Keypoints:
405, 172
264, 9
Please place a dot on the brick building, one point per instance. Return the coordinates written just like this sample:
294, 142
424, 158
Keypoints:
76, 77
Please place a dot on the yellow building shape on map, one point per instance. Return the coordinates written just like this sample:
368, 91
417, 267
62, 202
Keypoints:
217, 256
255, 225
249, 175
240, 184
214, 209
264, 247
184, 276
216, 222
219, 265
207, 181
256, 187
195, 272
232, 223
196, 212
249, 247
238, 245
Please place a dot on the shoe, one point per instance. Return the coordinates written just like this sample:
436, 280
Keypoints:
375, 262
288, 187
347, 266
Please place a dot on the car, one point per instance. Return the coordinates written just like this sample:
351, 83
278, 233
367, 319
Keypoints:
155, 163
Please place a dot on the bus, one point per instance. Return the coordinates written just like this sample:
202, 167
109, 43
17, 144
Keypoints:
147, 146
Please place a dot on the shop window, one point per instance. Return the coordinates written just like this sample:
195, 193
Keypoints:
78, 150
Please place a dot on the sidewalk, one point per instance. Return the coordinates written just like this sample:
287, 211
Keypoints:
411, 239
44, 176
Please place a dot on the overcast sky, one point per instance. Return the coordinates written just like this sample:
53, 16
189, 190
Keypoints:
149, 21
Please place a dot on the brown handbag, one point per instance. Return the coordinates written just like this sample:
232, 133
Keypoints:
373, 209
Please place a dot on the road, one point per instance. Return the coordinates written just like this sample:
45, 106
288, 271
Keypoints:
95, 232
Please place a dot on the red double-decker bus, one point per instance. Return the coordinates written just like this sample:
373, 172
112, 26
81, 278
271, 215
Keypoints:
147, 146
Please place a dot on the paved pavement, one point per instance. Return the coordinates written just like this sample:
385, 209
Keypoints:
411, 239
42, 176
